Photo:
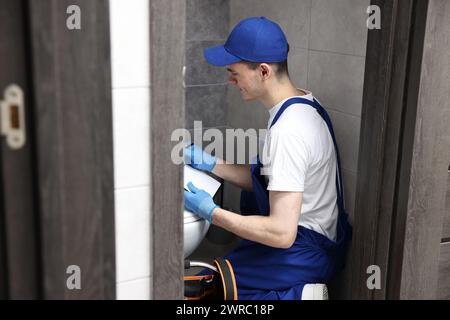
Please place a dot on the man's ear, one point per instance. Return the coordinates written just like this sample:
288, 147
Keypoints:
265, 71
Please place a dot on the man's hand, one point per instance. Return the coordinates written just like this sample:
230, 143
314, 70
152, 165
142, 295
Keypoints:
198, 159
199, 202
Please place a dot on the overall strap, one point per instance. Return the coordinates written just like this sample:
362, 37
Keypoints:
316, 105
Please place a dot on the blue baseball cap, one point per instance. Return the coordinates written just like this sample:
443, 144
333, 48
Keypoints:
255, 39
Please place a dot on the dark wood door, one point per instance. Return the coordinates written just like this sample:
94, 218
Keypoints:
73, 115
400, 208
19, 266
57, 199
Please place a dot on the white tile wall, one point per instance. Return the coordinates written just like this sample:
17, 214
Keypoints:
131, 125
133, 231
137, 289
130, 43
131, 130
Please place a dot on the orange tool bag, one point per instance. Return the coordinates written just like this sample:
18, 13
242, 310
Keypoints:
220, 285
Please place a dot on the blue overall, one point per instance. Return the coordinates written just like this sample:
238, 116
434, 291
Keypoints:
264, 272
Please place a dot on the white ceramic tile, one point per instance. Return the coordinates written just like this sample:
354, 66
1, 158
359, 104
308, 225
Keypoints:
132, 223
131, 130
138, 289
130, 24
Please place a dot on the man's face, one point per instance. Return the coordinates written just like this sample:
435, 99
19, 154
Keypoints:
245, 79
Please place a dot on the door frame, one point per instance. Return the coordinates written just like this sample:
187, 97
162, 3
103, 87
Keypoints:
401, 186
167, 44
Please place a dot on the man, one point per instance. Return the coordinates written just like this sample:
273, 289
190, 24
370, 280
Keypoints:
292, 219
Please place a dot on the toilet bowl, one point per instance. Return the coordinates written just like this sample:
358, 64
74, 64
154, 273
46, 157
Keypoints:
195, 229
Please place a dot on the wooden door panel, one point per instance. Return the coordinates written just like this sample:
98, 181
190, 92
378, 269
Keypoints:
73, 110
20, 242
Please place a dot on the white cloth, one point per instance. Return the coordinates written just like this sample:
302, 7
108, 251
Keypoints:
301, 154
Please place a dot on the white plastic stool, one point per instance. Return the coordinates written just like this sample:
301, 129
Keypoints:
315, 291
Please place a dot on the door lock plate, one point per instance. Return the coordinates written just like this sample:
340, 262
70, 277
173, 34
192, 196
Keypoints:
13, 117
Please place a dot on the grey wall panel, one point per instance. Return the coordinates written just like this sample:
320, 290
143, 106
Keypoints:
331, 32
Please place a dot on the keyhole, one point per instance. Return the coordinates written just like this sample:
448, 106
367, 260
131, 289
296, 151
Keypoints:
14, 116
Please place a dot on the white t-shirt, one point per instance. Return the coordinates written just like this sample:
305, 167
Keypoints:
303, 159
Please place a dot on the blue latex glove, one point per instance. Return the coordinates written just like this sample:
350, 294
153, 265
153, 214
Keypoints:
198, 159
200, 202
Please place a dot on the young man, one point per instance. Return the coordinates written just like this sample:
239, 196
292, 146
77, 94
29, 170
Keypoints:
292, 219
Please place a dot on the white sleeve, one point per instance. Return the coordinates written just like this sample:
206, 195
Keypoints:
289, 161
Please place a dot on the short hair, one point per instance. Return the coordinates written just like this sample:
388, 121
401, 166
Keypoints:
281, 68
